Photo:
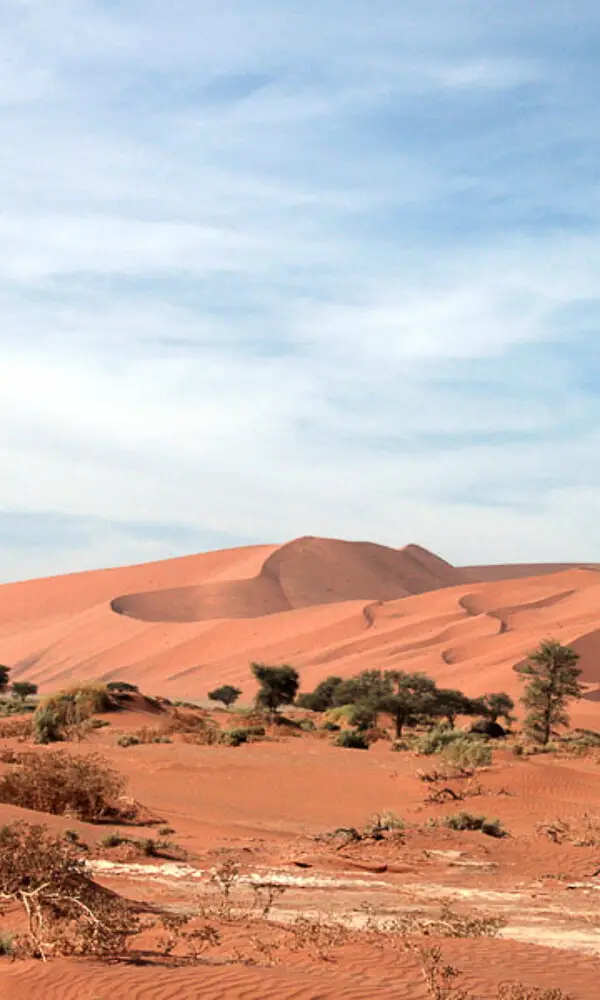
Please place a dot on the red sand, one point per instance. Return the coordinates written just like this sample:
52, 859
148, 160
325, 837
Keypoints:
181, 626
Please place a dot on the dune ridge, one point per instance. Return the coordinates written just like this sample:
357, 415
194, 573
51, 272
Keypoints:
181, 626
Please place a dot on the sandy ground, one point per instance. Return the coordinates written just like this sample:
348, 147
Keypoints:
179, 627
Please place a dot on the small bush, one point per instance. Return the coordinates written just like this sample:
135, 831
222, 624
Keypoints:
234, 737
128, 740
330, 726
121, 686
143, 735
467, 821
466, 754
439, 738
63, 784
351, 741
307, 725
113, 840
58, 715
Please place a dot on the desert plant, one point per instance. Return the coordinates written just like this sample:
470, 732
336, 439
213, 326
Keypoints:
226, 694
61, 783
323, 697
234, 737
499, 706
552, 680
278, 685
351, 740
467, 821
23, 689
4, 678
122, 686
307, 725
439, 738
58, 715
466, 754
6, 943
67, 912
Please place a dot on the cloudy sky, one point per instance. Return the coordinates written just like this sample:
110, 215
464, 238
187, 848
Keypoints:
278, 267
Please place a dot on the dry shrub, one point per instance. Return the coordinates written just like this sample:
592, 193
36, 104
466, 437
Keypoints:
518, 991
16, 729
64, 784
67, 912
582, 832
443, 981
193, 727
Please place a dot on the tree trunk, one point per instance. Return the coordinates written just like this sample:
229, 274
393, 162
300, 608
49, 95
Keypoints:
399, 724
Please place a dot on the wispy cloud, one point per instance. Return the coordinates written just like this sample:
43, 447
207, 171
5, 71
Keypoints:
271, 269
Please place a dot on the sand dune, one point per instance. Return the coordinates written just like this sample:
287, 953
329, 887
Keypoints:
181, 626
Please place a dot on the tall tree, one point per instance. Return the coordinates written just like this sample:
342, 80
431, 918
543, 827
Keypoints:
278, 685
411, 695
552, 676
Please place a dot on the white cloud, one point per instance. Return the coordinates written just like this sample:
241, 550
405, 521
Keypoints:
265, 273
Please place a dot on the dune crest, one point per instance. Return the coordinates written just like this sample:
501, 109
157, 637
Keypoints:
306, 572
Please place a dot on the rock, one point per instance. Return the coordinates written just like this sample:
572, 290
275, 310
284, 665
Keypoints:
484, 727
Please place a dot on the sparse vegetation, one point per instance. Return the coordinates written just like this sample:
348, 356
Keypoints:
226, 694
64, 784
552, 676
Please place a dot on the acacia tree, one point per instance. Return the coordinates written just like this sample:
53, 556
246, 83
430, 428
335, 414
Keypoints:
23, 689
227, 694
322, 697
278, 685
552, 680
411, 695
499, 705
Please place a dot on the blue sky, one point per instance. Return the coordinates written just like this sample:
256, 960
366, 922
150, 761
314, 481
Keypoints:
279, 268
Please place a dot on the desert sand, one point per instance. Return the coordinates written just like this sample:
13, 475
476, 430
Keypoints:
179, 627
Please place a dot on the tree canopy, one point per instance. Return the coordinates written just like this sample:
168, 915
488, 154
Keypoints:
551, 676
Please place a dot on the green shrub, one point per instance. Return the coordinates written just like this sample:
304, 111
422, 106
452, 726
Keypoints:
351, 740
467, 754
307, 725
128, 740
440, 737
467, 821
234, 737
58, 714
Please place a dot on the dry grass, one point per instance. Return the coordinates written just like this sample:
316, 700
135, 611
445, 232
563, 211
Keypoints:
16, 729
63, 784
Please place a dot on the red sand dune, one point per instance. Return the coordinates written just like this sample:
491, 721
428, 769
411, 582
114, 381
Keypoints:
181, 626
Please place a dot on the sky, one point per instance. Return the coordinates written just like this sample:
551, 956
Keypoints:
272, 268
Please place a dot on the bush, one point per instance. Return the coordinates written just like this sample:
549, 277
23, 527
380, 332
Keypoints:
467, 821
330, 726
438, 738
467, 754
143, 735
195, 728
60, 783
351, 740
67, 912
6, 943
128, 740
307, 725
58, 715
121, 686
242, 734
